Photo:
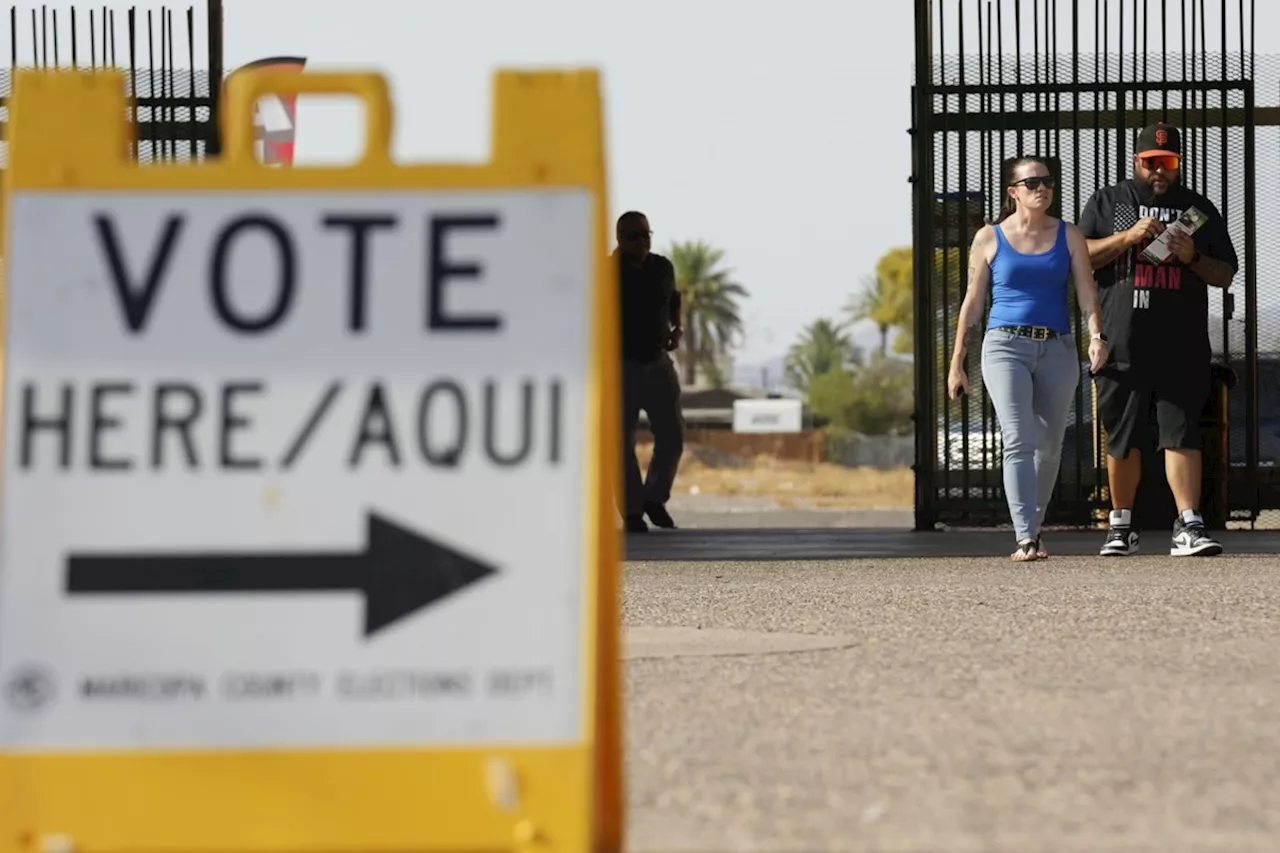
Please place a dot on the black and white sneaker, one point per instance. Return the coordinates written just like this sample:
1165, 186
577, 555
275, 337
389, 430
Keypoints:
1121, 542
1190, 540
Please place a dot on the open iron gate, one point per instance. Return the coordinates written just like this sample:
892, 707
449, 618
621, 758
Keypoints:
992, 83
172, 57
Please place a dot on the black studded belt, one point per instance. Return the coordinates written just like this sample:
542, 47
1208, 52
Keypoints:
1036, 333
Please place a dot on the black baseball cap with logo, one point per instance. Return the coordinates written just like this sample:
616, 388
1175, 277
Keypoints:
1159, 140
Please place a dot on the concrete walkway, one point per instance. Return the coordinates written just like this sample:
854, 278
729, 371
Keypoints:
785, 696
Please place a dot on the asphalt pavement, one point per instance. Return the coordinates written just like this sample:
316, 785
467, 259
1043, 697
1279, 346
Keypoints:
878, 690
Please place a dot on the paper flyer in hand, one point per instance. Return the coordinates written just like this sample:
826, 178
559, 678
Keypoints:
1188, 223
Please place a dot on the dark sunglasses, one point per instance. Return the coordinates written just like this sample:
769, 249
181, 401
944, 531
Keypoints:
635, 235
1034, 184
1169, 162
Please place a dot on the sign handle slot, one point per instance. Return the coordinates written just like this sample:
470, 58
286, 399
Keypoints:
244, 89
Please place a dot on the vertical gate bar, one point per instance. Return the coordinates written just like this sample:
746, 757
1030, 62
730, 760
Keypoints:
990, 178
992, 487
1122, 98
1004, 105
1200, 139
193, 140
1164, 59
1120, 47
13, 37
110, 32
213, 20
75, 57
940, 196
1104, 156
156, 144
169, 114
1242, 67
173, 91
44, 35
132, 20
1196, 95
93, 41
56, 52
170, 82
1045, 147
1057, 95
160, 112
1186, 92
962, 236
1101, 102
1225, 210
1041, 136
1038, 134
1017, 79
1082, 494
1145, 76
922, 256
35, 40
1253, 409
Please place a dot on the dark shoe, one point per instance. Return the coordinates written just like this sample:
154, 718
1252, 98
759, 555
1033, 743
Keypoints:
658, 515
635, 524
1121, 542
1191, 540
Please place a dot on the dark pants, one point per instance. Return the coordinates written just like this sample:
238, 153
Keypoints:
655, 387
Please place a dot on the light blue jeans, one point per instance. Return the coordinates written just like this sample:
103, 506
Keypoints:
1031, 385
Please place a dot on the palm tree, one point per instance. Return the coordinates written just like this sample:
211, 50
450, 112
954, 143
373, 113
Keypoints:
709, 301
886, 296
875, 302
823, 346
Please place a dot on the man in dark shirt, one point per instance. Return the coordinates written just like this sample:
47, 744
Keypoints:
1155, 317
651, 328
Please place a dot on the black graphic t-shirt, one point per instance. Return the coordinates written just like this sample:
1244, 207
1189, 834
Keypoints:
1155, 315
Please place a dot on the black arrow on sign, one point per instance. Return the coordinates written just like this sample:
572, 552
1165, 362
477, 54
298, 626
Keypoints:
400, 572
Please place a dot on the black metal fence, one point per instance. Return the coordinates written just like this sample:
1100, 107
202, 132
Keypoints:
996, 79
171, 56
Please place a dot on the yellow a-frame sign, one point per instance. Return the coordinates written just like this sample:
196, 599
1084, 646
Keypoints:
307, 541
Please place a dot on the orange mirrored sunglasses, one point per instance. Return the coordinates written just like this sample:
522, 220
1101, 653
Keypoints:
1169, 162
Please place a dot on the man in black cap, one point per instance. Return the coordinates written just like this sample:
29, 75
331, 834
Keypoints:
1155, 318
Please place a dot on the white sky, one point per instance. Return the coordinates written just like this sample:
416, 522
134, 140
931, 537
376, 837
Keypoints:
776, 131
764, 131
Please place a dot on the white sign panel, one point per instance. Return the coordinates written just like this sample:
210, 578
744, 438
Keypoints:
768, 415
295, 470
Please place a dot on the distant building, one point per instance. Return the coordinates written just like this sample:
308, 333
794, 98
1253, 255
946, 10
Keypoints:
712, 408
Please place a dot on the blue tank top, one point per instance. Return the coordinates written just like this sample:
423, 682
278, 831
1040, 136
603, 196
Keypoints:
1030, 290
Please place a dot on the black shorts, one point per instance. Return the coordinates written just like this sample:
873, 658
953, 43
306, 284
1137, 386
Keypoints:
1125, 401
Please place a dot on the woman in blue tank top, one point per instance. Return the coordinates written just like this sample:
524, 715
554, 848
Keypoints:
1030, 365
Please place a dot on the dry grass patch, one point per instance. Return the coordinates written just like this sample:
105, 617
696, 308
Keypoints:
789, 483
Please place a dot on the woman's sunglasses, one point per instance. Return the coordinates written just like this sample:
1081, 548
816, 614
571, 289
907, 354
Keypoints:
1036, 183
1169, 162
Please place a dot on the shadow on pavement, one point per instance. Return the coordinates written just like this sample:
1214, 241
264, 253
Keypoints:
843, 544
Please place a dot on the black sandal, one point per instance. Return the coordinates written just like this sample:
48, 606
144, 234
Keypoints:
1026, 552
1041, 553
